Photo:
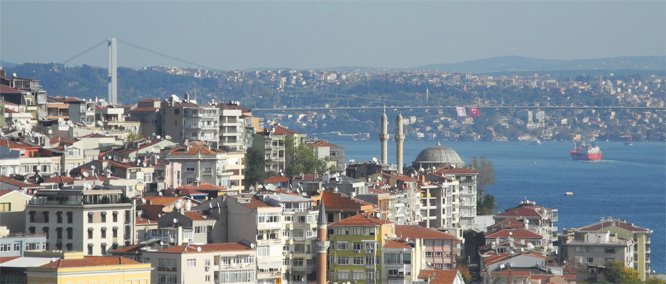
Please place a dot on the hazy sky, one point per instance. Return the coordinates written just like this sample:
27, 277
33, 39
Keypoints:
313, 34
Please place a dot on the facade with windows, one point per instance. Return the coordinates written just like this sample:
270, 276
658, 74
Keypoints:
17, 245
354, 254
91, 221
257, 222
211, 263
597, 249
199, 163
188, 121
299, 235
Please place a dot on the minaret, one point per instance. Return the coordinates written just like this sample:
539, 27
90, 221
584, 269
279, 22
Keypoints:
322, 244
399, 138
384, 137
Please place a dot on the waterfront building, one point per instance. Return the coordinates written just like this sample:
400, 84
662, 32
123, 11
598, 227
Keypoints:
272, 143
597, 249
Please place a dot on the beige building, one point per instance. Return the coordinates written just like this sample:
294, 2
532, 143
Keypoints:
188, 121
211, 263
92, 221
200, 163
12, 205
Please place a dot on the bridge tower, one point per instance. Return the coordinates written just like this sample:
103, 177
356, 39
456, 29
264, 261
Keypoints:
113, 71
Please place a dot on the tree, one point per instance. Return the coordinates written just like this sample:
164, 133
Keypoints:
654, 280
255, 167
485, 203
301, 159
485, 174
133, 136
616, 272
486, 206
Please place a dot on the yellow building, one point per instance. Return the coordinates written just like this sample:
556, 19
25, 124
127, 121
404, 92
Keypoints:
75, 268
355, 252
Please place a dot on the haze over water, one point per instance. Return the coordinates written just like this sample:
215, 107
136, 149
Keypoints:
629, 183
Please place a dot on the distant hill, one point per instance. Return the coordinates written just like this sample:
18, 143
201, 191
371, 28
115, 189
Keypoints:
518, 63
6, 64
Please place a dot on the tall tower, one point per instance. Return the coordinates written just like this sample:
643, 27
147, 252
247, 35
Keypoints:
322, 244
384, 137
113, 71
399, 138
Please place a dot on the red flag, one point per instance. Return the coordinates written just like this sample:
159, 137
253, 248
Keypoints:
474, 111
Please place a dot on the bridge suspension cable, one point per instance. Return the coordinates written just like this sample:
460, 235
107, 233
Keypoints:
166, 55
84, 52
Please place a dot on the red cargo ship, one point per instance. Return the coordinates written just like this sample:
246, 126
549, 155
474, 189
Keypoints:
585, 152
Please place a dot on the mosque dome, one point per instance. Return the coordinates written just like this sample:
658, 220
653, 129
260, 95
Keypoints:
437, 156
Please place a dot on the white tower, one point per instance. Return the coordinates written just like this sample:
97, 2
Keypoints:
399, 139
113, 71
384, 137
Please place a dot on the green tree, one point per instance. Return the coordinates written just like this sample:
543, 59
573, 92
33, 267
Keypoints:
255, 167
486, 206
133, 136
616, 272
301, 159
485, 176
654, 280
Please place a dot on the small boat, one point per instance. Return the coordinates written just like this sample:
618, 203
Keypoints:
568, 193
582, 151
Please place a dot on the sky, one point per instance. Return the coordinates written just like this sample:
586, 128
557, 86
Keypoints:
230, 35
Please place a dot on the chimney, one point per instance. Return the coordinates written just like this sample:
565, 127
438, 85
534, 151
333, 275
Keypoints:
187, 97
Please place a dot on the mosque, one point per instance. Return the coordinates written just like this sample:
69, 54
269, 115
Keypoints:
429, 159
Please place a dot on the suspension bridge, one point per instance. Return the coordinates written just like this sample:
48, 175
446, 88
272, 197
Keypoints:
113, 88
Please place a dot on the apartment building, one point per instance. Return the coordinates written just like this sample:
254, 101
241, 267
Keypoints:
272, 143
187, 120
438, 250
147, 112
200, 163
75, 267
233, 136
627, 231
354, 254
539, 219
299, 227
259, 223
12, 205
335, 154
92, 221
211, 263
598, 248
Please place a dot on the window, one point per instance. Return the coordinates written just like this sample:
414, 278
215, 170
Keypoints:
590, 260
207, 278
370, 260
358, 260
90, 233
103, 217
46, 216
191, 262
343, 260
297, 262
90, 217
189, 167
176, 111
70, 217
391, 258
406, 258
90, 249
17, 246
115, 216
342, 246
5, 247
579, 249
608, 259
589, 249
103, 248
262, 251
199, 229
438, 254
358, 246
59, 217
32, 216
69, 233
343, 275
428, 254
357, 275
369, 274
103, 233
609, 250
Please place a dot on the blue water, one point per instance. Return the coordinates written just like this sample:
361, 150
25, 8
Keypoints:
629, 183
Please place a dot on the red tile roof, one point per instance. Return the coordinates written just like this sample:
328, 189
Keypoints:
202, 186
7, 258
360, 220
254, 203
90, 261
208, 248
522, 211
60, 179
515, 233
612, 223
510, 223
20, 184
145, 221
438, 276
161, 200
146, 109
398, 176
418, 232
278, 130
4, 89
276, 179
322, 144
193, 150
397, 244
197, 216
340, 202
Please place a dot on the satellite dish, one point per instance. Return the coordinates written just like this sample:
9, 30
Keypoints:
92, 168
198, 249
175, 221
374, 159
70, 123
210, 205
406, 240
252, 245
143, 200
50, 131
85, 174
99, 122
